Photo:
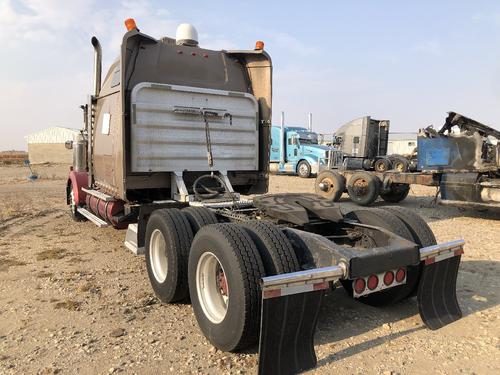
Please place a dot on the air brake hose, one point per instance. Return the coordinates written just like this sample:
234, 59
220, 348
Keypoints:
211, 192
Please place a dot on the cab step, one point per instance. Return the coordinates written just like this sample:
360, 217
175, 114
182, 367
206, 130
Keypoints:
99, 194
93, 218
131, 240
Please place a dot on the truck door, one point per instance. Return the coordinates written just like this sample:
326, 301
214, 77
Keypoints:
292, 148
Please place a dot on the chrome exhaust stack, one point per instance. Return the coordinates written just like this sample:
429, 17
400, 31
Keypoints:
97, 65
282, 138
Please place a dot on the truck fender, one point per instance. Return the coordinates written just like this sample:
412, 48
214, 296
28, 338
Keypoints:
77, 180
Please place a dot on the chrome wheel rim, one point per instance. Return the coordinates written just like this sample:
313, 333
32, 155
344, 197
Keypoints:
72, 204
303, 169
158, 256
212, 287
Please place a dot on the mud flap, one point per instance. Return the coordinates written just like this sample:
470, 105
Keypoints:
290, 309
287, 333
437, 296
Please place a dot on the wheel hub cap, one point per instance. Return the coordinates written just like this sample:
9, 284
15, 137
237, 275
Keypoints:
360, 187
158, 256
212, 287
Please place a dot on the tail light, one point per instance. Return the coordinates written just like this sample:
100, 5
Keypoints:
363, 286
372, 282
388, 278
400, 275
359, 285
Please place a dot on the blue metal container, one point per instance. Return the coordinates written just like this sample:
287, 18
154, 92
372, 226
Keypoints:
434, 153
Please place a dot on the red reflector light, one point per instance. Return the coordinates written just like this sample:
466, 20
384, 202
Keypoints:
400, 275
372, 282
388, 278
359, 285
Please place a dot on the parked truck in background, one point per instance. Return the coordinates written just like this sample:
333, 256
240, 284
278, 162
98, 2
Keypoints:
359, 144
462, 159
172, 136
296, 150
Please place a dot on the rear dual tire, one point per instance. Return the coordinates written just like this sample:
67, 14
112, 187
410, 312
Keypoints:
403, 223
228, 308
168, 240
230, 323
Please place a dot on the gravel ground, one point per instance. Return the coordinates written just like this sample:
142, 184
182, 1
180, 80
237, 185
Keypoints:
73, 300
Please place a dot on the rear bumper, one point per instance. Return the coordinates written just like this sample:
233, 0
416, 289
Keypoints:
291, 303
319, 278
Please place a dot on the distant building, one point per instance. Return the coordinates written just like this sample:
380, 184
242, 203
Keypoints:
402, 143
47, 145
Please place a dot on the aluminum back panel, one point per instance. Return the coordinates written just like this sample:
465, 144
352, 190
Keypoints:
168, 130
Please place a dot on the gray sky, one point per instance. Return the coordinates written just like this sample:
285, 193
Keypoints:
409, 62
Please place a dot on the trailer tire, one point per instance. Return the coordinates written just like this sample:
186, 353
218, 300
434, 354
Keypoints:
274, 247
73, 212
199, 217
391, 222
382, 165
333, 185
168, 240
363, 188
304, 169
226, 249
397, 193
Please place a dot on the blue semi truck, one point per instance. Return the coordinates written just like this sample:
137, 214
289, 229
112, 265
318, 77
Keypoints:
296, 150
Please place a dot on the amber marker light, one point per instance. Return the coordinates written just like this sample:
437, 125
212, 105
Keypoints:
130, 24
259, 44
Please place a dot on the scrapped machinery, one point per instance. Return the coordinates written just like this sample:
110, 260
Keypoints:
172, 136
465, 154
462, 159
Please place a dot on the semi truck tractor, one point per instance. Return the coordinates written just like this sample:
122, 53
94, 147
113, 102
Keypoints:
296, 150
462, 159
173, 136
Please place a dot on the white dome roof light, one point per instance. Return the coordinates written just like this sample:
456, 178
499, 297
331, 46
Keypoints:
186, 35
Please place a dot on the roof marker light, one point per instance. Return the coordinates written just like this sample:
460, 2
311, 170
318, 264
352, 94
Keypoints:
130, 24
259, 45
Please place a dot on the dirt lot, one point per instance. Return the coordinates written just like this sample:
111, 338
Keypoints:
73, 300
